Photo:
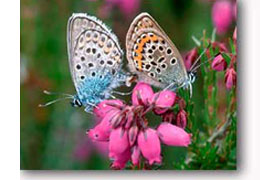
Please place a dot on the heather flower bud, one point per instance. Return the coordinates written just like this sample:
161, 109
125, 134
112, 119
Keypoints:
142, 94
219, 63
190, 58
149, 144
135, 157
163, 100
118, 142
230, 78
173, 136
182, 119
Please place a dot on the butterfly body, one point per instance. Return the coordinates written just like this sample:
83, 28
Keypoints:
95, 60
153, 56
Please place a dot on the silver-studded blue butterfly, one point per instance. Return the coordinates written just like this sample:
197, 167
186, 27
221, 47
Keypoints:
95, 60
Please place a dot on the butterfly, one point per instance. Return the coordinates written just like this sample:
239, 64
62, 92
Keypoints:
95, 60
153, 57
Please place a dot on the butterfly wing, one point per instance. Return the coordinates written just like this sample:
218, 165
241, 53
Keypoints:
152, 55
95, 58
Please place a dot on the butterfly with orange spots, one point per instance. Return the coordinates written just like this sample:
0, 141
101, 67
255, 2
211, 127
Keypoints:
153, 57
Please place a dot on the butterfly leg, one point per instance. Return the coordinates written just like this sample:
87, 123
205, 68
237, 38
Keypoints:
122, 93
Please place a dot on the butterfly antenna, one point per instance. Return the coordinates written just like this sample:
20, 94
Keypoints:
56, 93
195, 68
197, 60
54, 101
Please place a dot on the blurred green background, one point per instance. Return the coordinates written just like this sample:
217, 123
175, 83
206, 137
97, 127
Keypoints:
54, 137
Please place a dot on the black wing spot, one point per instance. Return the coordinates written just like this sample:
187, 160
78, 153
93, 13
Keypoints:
147, 66
90, 65
82, 77
150, 51
173, 61
154, 63
161, 59
94, 50
158, 70
160, 48
98, 55
151, 74
78, 66
93, 74
82, 58
164, 66
102, 62
169, 51
153, 47
88, 50
109, 62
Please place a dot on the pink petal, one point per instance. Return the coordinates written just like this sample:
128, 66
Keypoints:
105, 106
136, 155
222, 15
190, 57
173, 136
163, 100
149, 145
118, 142
120, 160
230, 78
132, 134
101, 132
145, 92
219, 63
182, 119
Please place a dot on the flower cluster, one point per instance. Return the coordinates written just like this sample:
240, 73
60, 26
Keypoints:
220, 63
127, 129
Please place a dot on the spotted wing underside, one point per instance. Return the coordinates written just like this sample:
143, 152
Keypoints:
152, 55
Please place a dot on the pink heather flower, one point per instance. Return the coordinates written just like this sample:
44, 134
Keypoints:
190, 58
230, 78
222, 15
118, 142
127, 129
142, 94
106, 106
172, 135
219, 63
127, 7
120, 160
182, 119
101, 132
136, 155
163, 100
149, 144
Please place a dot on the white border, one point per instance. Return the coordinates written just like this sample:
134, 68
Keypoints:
249, 123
